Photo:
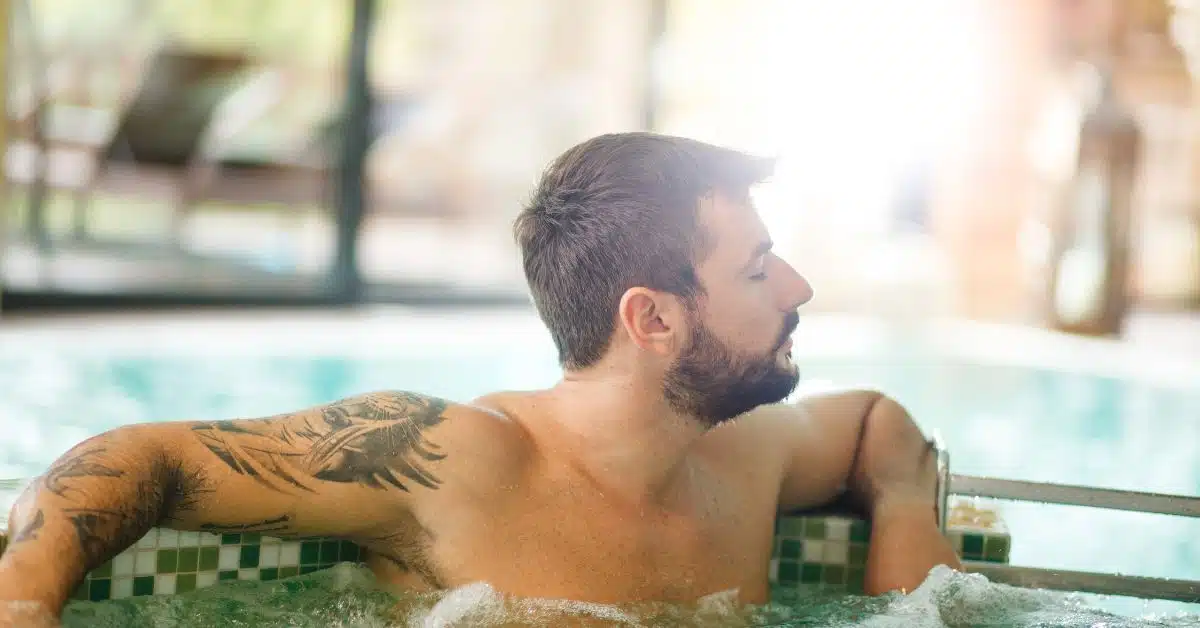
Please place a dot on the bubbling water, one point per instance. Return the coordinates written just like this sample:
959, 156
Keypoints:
346, 596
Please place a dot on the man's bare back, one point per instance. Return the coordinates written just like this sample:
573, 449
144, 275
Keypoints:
652, 471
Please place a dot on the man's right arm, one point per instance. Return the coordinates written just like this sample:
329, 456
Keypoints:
344, 469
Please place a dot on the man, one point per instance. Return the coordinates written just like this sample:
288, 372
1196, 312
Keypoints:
652, 471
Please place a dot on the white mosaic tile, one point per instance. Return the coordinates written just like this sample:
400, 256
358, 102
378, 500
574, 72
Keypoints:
837, 529
209, 540
229, 557
206, 579
289, 555
813, 551
168, 539
836, 553
123, 564
150, 540
145, 562
268, 556
122, 587
248, 574
164, 584
189, 539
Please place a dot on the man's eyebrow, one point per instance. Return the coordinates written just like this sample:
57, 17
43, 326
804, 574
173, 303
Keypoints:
762, 249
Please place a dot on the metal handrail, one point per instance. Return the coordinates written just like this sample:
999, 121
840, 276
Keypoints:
1174, 589
1071, 495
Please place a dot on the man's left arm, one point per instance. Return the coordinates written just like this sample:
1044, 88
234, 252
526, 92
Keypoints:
864, 446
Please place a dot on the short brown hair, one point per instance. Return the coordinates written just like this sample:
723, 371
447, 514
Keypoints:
615, 212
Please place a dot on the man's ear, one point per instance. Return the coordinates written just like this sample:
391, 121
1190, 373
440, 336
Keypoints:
654, 321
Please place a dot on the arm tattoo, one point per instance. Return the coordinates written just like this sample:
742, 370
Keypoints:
30, 530
374, 440
79, 465
110, 525
278, 524
103, 532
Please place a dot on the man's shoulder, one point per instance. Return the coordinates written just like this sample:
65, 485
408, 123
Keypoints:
484, 426
811, 411
805, 419
460, 437
766, 422
760, 435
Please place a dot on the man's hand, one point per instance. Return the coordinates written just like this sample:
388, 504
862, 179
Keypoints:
896, 466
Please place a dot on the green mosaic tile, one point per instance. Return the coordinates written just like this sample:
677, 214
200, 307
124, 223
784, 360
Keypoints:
310, 552
329, 551
349, 552
185, 582
791, 526
834, 574
251, 537
857, 554
100, 590
103, 571
189, 559
790, 549
855, 579
288, 572
268, 574
81, 591
814, 529
168, 561
995, 549
209, 558
972, 545
789, 572
143, 585
249, 557
810, 573
231, 539
860, 531
308, 569
226, 575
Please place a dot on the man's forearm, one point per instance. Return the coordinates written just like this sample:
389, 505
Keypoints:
96, 500
896, 478
905, 545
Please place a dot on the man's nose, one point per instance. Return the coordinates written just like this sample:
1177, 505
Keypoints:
798, 291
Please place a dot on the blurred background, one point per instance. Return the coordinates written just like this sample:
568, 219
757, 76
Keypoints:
1031, 162
1022, 175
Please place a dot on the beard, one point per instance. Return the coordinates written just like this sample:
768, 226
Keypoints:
713, 383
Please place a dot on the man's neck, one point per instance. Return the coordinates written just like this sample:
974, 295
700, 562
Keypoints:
619, 431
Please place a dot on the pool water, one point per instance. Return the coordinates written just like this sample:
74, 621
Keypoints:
1011, 418
345, 596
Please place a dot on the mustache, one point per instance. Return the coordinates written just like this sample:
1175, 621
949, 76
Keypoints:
790, 323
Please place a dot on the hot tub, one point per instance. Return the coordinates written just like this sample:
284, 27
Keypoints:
1008, 402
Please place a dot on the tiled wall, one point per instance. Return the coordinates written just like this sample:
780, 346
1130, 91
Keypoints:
831, 552
825, 551
167, 561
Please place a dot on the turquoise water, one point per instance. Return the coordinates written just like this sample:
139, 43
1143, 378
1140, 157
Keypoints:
997, 420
